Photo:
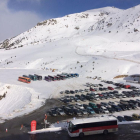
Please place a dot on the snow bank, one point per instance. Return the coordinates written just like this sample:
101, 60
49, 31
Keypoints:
46, 130
18, 100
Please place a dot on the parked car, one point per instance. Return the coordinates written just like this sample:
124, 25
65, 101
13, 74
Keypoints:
87, 90
133, 106
133, 101
90, 110
123, 95
77, 112
92, 105
78, 96
61, 92
81, 90
122, 107
72, 98
85, 106
100, 85
72, 92
104, 104
110, 109
111, 103
78, 105
90, 98
76, 99
121, 119
97, 110
76, 91
92, 89
53, 112
110, 88
127, 106
127, 94
66, 101
70, 106
118, 95
82, 98
119, 88
116, 108
104, 110
67, 91
68, 111
124, 102
84, 111
136, 116
60, 111
96, 89
128, 118
112, 96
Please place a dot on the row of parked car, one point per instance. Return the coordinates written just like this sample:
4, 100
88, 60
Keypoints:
100, 96
121, 85
74, 91
92, 108
125, 118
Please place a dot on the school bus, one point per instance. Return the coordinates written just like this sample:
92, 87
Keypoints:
24, 79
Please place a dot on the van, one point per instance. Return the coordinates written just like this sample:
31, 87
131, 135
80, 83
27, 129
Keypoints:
124, 102
136, 116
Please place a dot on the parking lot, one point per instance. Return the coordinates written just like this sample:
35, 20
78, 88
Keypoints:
93, 99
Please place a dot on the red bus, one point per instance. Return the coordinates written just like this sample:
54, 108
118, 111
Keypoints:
24, 79
89, 126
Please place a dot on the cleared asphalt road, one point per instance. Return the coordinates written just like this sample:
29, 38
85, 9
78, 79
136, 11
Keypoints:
126, 132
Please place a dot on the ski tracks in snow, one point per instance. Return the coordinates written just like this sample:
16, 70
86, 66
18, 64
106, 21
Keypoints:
76, 51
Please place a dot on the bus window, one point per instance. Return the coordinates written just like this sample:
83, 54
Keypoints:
70, 127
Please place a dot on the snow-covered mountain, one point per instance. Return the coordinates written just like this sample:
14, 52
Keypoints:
63, 42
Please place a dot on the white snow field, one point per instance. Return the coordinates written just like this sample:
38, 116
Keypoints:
101, 42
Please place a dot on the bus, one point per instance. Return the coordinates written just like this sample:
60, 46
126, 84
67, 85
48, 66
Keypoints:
58, 78
66, 75
62, 77
32, 77
89, 126
49, 79
24, 79
54, 78
38, 77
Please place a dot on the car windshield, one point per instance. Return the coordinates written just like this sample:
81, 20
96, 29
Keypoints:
60, 110
53, 111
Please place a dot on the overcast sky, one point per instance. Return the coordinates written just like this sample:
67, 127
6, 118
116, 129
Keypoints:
17, 16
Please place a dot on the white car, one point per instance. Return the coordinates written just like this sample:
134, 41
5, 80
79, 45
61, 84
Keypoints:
123, 95
104, 110
78, 105
60, 112
97, 98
